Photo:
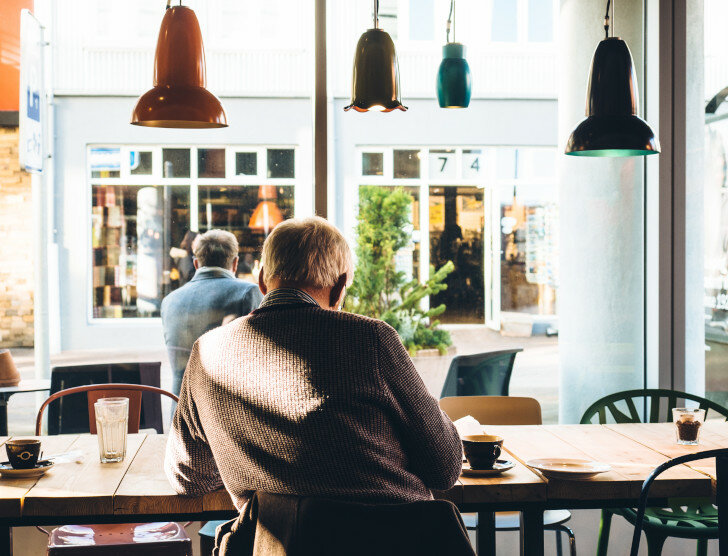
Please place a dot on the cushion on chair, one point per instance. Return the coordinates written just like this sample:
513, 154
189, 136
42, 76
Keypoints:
132, 539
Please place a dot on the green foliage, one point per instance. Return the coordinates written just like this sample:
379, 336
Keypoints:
382, 292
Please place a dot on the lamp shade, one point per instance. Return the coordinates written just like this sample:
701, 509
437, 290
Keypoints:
612, 126
265, 217
375, 84
454, 82
179, 98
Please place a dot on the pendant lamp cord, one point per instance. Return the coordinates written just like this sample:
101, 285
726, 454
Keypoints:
450, 25
376, 14
169, 4
606, 21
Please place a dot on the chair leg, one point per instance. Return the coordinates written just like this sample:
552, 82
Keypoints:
604, 526
559, 548
702, 547
655, 543
561, 528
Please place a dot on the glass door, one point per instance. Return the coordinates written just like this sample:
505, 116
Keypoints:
458, 234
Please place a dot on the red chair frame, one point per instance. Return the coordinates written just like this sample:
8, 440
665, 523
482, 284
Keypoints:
96, 391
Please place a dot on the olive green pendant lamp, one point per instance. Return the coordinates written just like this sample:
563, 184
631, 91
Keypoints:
612, 127
179, 98
454, 82
375, 83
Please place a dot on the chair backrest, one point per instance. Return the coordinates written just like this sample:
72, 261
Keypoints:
481, 374
96, 391
494, 410
303, 525
69, 416
625, 407
721, 467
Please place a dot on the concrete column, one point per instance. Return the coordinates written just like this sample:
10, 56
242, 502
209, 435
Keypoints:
601, 200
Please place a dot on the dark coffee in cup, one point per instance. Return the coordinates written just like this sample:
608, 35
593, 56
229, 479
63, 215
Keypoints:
23, 453
482, 450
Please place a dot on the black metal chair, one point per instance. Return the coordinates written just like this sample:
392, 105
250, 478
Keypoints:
721, 466
482, 374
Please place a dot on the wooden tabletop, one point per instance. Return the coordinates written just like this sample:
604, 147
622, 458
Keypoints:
138, 487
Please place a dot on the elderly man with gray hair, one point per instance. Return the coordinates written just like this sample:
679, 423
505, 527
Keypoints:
212, 297
301, 398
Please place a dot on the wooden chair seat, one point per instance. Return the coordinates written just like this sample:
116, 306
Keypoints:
130, 539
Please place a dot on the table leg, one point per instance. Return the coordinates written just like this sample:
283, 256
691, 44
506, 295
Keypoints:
532, 532
485, 534
6, 540
3, 415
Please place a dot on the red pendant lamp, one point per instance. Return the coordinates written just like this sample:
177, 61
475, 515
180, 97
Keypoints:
179, 98
266, 215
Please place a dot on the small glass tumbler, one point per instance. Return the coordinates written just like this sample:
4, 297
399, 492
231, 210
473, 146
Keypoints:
688, 422
112, 422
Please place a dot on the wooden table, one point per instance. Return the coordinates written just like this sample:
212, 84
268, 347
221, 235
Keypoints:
136, 490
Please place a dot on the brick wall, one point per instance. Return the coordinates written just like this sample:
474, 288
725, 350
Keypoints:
16, 246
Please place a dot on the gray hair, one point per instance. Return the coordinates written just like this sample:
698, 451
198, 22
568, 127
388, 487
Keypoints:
215, 248
307, 251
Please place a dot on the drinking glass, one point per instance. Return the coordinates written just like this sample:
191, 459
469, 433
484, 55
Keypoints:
112, 422
688, 422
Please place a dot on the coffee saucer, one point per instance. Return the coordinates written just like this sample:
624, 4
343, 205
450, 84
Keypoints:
38, 471
500, 466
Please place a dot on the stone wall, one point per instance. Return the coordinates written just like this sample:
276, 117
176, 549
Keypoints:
16, 246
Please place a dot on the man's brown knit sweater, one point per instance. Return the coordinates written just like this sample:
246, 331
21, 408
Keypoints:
295, 399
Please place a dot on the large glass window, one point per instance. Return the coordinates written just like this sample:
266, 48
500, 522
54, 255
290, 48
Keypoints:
144, 217
504, 24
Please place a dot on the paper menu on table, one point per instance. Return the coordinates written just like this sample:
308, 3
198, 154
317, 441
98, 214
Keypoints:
467, 426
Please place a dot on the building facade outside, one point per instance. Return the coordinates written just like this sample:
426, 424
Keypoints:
126, 196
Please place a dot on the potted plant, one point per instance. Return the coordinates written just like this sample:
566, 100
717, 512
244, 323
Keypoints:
380, 290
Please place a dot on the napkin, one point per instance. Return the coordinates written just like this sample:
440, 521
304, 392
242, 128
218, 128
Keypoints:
467, 426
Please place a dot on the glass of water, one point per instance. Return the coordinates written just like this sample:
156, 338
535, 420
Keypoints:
112, 422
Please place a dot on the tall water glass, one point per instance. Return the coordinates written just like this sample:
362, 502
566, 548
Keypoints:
112, 422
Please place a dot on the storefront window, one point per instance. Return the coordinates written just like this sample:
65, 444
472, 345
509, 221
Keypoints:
249, 212
141, 246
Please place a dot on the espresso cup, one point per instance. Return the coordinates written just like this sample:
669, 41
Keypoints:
23, 453
482, 450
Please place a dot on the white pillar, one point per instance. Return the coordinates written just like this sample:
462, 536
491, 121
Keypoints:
601, 291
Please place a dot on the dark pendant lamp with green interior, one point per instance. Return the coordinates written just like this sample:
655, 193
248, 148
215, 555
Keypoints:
375, 83
612, 127
454, 82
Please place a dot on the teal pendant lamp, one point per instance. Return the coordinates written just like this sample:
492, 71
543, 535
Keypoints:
612, 127
375, 84
454, 82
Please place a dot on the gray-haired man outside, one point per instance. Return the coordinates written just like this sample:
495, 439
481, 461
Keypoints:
213, 297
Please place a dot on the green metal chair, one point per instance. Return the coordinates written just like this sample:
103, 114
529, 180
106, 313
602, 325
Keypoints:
685, 518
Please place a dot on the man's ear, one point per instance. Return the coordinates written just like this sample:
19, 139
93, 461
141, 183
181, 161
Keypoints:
261, 283
196, 263
234, 267
337, 292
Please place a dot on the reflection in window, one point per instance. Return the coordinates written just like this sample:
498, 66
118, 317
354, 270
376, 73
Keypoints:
176, 163
249, 212
406, 164
105, 163
457, 223
140, 163
211, 163
133, 231
372, 164
504, 25
246, 164
281, 163
540, 20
